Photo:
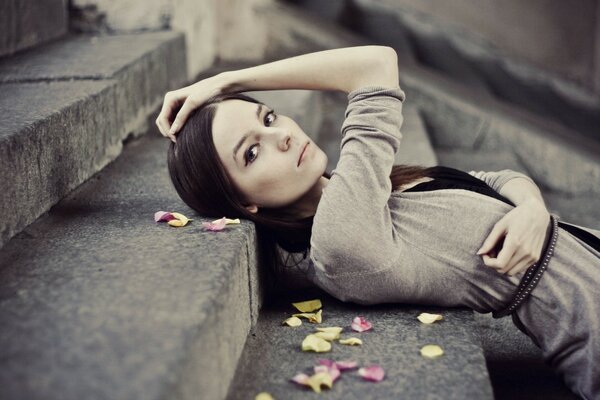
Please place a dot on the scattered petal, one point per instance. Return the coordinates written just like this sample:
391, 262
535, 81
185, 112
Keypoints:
263, 396
359, 324
427, 318
431, 351
372, 373
218, 226
308, 306
315, 318
340, 365
333, 371
315, 343
334, 329
227, 221
163, 216
351, 341
319, 379
344, 365
293, 321
329, 336
300, 378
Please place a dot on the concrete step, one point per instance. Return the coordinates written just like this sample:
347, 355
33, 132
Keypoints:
67, 107
100, 302
29, 23
273, 355
415, 148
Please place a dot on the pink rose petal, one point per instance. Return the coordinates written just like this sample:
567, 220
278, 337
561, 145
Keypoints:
300, 378
332, 371
163, 216
341, 365
359, 324
344, 365
218, 226
372, 373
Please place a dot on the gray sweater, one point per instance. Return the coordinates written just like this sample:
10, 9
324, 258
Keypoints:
371, 245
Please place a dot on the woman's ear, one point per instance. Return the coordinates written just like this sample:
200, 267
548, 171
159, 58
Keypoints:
252, 208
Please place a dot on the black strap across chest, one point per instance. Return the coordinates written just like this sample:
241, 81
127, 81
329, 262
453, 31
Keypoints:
451, 178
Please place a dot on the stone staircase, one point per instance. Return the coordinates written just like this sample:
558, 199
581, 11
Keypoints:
98, 301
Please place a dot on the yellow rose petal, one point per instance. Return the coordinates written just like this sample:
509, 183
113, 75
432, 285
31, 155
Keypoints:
293, 321
329, 336
315, 318
264, 396
315, 343
427, 318
335, 329
431, 351
181, 220
318, 379
177, 223
308, 306
351, 341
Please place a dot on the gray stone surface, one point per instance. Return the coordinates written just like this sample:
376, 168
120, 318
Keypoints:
28, 23
455, 116
100, 302
415, 148
68, 106
273, 354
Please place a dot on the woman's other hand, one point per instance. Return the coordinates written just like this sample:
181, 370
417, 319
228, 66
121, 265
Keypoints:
178, 104
516, 241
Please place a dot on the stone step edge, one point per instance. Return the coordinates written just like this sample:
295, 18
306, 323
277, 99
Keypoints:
117, 112
556, 157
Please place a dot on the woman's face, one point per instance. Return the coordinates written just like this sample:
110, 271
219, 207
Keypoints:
261, 150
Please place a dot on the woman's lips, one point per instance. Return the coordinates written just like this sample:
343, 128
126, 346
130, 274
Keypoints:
302, 153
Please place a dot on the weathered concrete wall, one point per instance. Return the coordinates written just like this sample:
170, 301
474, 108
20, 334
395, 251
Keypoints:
27, 23
554, 35
214, 29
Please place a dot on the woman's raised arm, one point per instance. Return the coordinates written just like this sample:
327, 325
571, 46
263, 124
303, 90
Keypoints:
344, 69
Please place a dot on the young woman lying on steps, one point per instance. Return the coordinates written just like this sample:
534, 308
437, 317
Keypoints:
379, 233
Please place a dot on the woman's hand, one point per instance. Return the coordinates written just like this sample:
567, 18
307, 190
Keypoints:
520, 234
178, 104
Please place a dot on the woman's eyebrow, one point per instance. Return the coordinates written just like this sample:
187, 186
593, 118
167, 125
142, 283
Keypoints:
243, 139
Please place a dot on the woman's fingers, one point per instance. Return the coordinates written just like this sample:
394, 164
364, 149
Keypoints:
182, 115
493, 238
504, 256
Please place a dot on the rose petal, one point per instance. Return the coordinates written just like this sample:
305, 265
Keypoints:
333, 371
308, 306
427, 318
431, 351
334, 329
293, 321
351, 341
315, 318
300, 378
344, 365
163, 216
340, 365
329, 336
315, 343
263, 396
227, 221
219, 226
372, 373
319, 379
359, 324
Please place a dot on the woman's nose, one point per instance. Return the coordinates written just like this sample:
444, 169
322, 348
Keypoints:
284, 141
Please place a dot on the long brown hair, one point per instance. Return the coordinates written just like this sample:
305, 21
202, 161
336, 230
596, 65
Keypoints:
203, 184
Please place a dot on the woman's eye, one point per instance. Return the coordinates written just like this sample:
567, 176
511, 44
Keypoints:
269, 114
250, 156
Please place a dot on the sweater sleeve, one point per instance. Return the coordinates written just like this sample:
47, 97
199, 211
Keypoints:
497, 179
352, 228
